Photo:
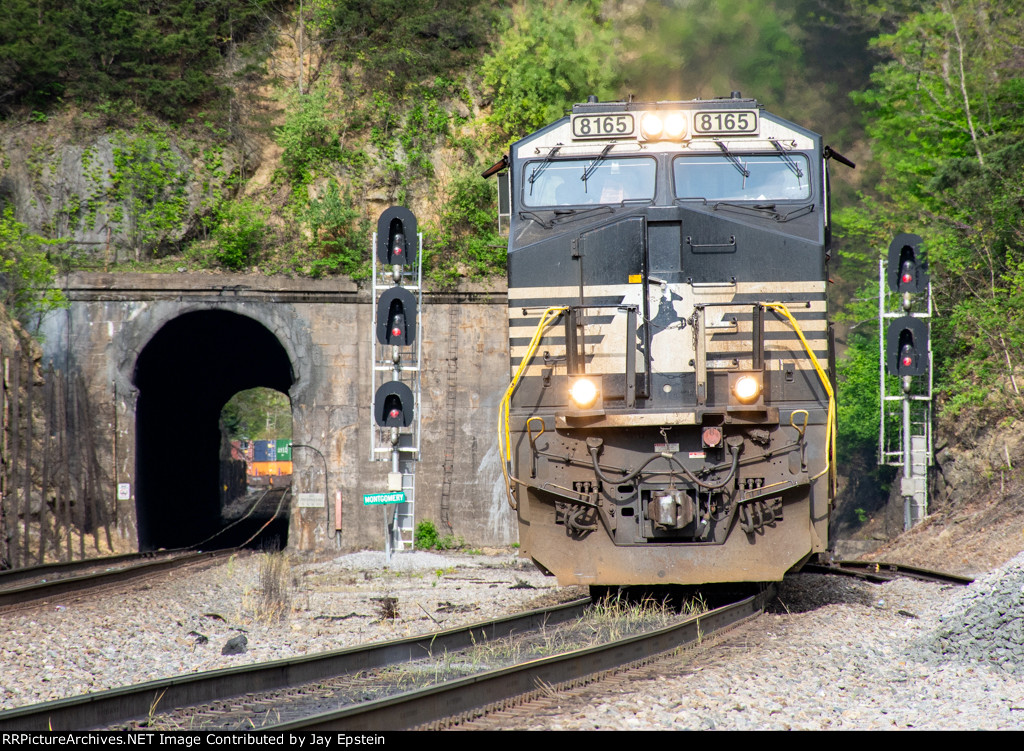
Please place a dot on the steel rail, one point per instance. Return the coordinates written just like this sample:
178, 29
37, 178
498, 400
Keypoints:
115, 706
85, 582
454, 698
879, 572
52, 571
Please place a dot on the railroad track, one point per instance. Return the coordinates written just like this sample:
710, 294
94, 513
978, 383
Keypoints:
370, 684
453, 701
30, 586
878, 572
135, 706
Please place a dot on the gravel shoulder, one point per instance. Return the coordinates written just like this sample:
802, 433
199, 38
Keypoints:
282, 606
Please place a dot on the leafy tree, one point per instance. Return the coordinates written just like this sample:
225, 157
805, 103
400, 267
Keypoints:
161, 54
26, 272
552, 54
339, 233
706, 48
258, 414
395, 43
946, 120
465, 240
239, 233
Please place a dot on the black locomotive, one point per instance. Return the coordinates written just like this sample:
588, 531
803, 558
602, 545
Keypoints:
671, 414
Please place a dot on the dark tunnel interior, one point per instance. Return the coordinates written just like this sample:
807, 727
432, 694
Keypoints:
185, 375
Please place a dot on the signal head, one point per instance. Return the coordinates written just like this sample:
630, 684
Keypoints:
392, 405
906, 345
396, 237
908, 267
396, 317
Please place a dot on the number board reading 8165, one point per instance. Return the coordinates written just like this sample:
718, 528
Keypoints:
602, 126
725, 122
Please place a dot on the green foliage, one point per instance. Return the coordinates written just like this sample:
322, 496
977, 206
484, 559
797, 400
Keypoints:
397, 43
310, 136
425, 536
465, 242
147, 190
707, 48
339, 233
161, 54
257, 414
27, 272
241, 227
946, 119
552, 54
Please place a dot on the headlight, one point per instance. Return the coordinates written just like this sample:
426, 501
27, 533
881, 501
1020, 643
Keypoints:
747, 389
658, 126
651, 126
675, 125
583, 392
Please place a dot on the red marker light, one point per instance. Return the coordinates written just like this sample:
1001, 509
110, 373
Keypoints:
907, 279
394, 414
396, 331
908, 361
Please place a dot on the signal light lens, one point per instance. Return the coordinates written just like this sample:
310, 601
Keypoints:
396, 331
583, 392
747, 389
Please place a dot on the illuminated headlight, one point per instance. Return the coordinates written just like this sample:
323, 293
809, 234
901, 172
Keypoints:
656, 126
652, 126
747, 389
583, 393
675, 125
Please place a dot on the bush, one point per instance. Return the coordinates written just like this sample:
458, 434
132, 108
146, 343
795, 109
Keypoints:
340, 233
426, 537
241, 227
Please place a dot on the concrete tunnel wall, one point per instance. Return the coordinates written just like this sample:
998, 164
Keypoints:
127, 334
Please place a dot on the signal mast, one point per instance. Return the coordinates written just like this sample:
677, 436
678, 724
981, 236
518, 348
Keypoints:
905, 352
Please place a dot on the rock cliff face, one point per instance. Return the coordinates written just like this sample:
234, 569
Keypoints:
119, 193
976, 502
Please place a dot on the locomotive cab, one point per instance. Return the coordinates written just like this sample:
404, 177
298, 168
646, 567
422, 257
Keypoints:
670, 418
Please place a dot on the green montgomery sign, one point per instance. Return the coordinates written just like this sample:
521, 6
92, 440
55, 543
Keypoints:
377, 499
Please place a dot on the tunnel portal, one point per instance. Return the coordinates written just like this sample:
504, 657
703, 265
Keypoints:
185, 374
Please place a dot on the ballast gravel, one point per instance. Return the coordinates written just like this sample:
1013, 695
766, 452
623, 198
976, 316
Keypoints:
833, 653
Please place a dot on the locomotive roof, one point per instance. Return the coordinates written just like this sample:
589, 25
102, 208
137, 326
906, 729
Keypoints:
760, 129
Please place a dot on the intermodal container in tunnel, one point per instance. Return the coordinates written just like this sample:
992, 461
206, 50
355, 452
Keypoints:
265, 451
269, 469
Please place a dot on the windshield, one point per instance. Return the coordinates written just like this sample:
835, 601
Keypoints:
721, 177
594, 180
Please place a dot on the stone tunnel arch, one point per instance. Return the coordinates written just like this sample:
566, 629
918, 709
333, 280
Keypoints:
184, 375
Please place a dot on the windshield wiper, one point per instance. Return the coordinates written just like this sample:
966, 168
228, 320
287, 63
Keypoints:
732, 158
593, 165
543, 166
562, 215
765, 210
790, 162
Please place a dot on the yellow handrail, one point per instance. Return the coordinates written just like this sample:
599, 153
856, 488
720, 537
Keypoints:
830, 424
505, 446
